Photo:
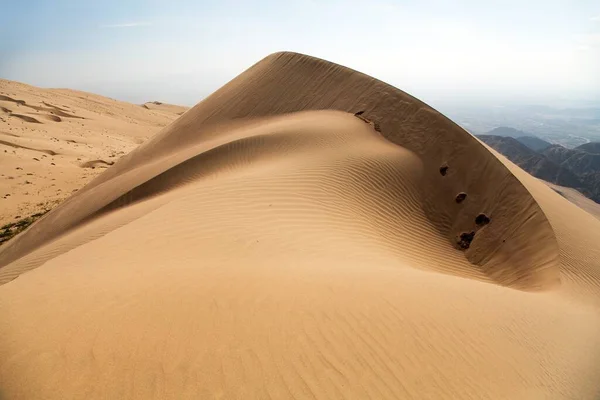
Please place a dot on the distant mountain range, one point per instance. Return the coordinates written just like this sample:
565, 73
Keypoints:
534, 143
577, 168
507, 131
529, 140
593, 147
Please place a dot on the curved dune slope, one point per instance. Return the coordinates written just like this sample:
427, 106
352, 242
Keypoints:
271, 244
519, 250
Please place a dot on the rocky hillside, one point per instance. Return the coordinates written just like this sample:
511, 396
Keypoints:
577, 168
534, 142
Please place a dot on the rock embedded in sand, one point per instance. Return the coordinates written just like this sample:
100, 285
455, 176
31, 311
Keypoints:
460, 197
444, 169
465, 239
482, 219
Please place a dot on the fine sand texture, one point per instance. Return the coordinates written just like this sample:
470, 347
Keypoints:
54, 141
305, 232
574, 196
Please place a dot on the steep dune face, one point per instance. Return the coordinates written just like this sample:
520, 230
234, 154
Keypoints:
577, 230
519, 235
272, 244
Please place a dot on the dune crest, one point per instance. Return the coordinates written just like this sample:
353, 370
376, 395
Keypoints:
306, 231
517, 249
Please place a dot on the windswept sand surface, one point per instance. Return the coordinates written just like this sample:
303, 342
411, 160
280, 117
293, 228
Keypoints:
54, 141
271, 244
574, 196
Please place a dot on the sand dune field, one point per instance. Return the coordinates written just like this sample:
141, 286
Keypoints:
53, 141
305, 232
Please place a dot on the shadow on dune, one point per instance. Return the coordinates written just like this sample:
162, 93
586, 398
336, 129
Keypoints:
516, 248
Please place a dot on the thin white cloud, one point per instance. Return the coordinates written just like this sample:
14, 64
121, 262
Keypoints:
596, 18
126, 25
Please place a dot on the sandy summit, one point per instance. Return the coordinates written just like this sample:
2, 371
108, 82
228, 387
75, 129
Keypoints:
306, 231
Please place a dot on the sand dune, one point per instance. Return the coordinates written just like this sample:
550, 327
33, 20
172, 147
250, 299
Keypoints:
164, 107
71, 127
305, 232
577, 198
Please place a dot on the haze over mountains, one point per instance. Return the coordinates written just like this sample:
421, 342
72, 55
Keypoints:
567, 126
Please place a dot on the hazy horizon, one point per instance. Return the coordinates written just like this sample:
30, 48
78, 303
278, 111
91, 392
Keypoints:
445, 53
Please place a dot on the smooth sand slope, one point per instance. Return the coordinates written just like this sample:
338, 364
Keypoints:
575, 197
54, 141
271, 244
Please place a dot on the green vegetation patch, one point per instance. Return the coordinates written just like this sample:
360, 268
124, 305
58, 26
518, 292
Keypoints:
12, 229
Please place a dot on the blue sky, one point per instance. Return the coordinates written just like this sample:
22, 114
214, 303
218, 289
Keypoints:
180, 51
